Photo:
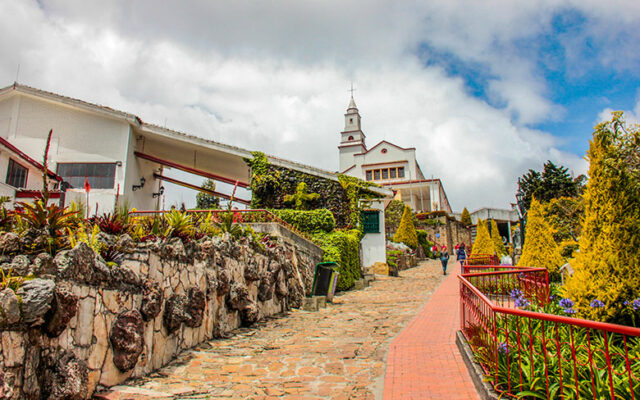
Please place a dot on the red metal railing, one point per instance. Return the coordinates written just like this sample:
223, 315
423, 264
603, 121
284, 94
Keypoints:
482, 259
532, 354
239, 216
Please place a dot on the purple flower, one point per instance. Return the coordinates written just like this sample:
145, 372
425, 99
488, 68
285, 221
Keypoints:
595, 303
569, 311
566, 303
626, 303
521, 302
636, 304
502, 348
516, 294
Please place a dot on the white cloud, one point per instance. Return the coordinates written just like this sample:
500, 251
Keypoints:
274, 76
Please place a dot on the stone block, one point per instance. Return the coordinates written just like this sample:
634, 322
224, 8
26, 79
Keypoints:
322, 301
84, 329
358, 285
310, 304
13, 347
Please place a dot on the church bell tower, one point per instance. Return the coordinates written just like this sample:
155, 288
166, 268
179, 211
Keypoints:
352, 137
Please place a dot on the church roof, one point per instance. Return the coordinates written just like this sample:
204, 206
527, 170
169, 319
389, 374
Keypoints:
352, 105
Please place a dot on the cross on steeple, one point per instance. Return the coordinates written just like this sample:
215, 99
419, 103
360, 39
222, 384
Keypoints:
351, 90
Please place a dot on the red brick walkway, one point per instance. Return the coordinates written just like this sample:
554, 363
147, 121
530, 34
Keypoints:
424, 361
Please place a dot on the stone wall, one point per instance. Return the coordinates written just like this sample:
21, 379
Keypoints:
451, 232
84, 324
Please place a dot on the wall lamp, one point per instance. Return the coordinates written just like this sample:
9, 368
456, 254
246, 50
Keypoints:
140, 186
159, 193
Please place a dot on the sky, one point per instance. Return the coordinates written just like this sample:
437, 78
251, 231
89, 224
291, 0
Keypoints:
484, 90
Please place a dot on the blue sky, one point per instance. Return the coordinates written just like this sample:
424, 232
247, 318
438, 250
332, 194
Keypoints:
580, 85
484, 90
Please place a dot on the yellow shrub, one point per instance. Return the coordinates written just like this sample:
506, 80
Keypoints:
540, 250
406, 232
483, 243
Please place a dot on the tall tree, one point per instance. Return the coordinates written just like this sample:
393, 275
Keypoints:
205, 201
540, 250
465, 217
606, 267
554, 182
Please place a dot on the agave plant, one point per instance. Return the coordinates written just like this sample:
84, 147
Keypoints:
46, 224
180, 224
109, 223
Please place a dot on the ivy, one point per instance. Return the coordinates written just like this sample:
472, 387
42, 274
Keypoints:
342, 247
308, 221
265, 181
356, 190
301, 199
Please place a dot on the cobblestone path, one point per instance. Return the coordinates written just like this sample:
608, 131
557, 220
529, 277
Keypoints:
336, 353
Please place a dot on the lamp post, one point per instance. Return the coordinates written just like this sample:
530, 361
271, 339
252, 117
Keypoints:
522, 212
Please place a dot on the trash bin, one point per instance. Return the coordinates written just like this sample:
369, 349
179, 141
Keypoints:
325, 279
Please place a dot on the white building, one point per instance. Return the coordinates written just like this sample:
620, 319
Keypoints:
120, 156
389, 165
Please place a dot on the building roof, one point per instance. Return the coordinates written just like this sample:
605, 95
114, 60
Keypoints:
352, 105
385, 142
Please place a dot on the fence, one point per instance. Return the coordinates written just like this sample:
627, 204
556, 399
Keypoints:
537, 355
482, 259
239, 216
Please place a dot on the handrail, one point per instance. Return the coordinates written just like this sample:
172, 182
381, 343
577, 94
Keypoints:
584, 323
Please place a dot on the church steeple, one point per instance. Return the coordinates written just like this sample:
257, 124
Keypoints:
352, 117
352, 137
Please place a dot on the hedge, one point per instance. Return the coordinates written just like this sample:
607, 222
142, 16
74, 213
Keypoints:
308, 221
342, 247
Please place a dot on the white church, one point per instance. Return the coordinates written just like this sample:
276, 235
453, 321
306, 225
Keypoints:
388, 165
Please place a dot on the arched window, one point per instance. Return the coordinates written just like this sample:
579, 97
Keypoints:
350, 138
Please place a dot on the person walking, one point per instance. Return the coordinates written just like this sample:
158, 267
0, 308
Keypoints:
444, 258
461, 255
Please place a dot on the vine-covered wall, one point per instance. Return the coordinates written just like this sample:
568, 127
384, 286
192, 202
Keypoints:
270, 185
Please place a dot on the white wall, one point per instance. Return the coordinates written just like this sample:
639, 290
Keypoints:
373, 245
78, 136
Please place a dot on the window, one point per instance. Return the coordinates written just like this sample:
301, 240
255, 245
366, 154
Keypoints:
16, 175
350, 138
99, 175
392, 173
351, 120
369, 175
401, 172
376, 175
385, 174
383, 151
371, 221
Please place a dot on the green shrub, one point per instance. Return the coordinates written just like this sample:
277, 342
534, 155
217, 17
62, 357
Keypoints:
342, 247
465, 217
406, 232
308, 221
423, 241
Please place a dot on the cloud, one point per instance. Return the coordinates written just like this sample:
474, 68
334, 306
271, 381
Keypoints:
274, 76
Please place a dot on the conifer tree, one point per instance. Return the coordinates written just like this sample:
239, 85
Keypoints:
540, 249
465, 217
406, 232
483, 243
606, 267
498, 246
